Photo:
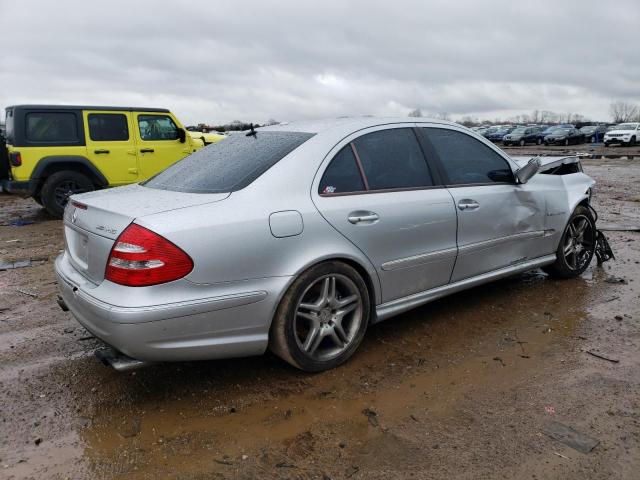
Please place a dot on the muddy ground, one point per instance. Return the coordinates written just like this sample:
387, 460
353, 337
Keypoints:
461, 388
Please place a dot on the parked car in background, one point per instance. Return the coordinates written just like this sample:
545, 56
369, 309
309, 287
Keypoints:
546, 130
498, 135
298, 237
593, 133
625, 133
57, 150
564, 136
523, 135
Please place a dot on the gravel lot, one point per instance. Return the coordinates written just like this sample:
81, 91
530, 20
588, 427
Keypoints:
461, 388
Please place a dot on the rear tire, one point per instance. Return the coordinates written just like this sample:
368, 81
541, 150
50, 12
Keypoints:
322, 318
539, 141
576, 247
521, 143
58, 187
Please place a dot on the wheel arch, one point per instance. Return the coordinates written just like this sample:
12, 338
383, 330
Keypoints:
369, 276
50, 165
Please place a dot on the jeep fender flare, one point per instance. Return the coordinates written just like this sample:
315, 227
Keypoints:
52, 163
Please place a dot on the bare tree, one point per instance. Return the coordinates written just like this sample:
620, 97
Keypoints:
623, 111
442, 116
415, 113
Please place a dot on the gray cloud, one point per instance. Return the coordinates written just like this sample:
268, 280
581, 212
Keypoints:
254, 60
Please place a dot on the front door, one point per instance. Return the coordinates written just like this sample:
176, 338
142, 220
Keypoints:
111, 145
500, 223
379, 193
158, 142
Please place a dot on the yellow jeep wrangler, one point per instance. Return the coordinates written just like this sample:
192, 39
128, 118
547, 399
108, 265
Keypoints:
55, 151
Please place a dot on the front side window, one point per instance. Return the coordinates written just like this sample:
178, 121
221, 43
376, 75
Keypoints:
342, 175
392, 159
157, 127
108, 127
466, 160
51, 127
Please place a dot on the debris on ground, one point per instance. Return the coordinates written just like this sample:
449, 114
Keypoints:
567, 435
603, 357
371, 415
614, 227
22, 263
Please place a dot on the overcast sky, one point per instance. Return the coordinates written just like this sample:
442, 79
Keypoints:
254, 60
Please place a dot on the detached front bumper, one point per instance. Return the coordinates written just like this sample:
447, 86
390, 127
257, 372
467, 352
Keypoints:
232, 320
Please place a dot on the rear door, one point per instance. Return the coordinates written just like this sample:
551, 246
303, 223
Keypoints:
111, 145
378, 191
158, 142
500, 223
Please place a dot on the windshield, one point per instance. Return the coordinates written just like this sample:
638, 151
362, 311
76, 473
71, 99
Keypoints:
560, 131
230, 164
520, 130
626, 126
587, 129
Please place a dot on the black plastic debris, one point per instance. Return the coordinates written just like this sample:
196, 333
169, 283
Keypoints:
567, 435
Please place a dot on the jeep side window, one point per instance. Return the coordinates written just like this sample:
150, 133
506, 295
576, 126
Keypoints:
108, 127
157, 127
54, 127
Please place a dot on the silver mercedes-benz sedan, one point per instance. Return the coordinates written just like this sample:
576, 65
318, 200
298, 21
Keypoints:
297, 237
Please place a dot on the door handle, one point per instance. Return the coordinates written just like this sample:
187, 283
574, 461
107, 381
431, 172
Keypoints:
468, 204
147, 150
100, 151
363, 217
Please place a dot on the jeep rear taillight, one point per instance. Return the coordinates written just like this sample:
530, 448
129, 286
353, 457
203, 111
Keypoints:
15, 159
140, 258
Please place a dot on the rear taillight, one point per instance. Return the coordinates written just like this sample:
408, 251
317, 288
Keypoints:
140, 258
15, 159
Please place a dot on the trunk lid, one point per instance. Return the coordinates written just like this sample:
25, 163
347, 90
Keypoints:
91, 232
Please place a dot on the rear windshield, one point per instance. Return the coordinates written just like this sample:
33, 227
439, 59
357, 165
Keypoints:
230, 164
9, 126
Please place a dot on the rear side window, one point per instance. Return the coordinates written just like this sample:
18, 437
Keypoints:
230, 164
392, 159
157, 127
466, 160
108, 127
51, 127
342, 175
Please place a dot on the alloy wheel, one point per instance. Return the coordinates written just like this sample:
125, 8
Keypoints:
327, 317
578, 244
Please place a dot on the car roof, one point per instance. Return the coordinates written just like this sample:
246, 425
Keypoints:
349, 123
88, 107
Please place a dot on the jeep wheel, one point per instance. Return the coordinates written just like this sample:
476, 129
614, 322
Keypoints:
59, 187
631, 142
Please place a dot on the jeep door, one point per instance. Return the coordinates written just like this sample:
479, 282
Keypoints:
158, 142
379, 192
111, 146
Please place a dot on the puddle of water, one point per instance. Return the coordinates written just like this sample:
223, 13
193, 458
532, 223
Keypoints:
431, 355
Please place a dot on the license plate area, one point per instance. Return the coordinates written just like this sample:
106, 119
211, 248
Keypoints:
78, 247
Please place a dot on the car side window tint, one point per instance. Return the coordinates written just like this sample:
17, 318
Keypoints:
466, 160
55, 127
342, 175
392, 159
157, 127
108, 127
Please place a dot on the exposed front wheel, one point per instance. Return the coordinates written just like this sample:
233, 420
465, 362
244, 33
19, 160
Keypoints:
566, 142
521, 143
593, 139
59, 187
577, 245
322, 318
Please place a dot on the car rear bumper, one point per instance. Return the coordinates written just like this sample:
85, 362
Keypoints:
233, 323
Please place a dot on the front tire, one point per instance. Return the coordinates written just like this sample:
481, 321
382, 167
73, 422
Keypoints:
566, 142
521, 143
577, 245
322, 318
59, 187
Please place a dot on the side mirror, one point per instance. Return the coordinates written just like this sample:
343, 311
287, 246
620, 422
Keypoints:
524, 174
182, 135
